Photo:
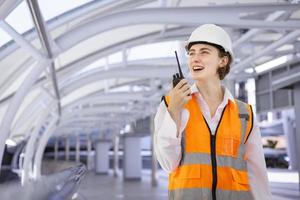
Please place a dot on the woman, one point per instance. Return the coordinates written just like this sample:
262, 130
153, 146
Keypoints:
205, 139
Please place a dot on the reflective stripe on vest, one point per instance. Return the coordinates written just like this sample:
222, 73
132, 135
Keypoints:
205, 194
204, 158
214, 163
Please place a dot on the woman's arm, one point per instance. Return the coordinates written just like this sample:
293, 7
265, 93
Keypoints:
167, 145
257, 166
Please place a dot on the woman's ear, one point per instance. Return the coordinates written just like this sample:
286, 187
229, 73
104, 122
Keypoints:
224, 61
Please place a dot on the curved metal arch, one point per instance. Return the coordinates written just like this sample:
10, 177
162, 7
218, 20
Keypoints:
64, 18
70, 128
115, 86
74, 123
223, 15
89, 120
41, 147
270, 48
115, 97
30, 146
99, 116
99, 110
153, 100
169, 35
163, 61
73, 67
13, 77
145, 72
7, 6
91, 114
16, 102
31, 111
154, 37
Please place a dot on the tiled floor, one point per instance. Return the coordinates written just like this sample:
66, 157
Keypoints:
284, 184
107, 187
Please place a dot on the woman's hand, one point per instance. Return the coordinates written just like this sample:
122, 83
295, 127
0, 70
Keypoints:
179, 96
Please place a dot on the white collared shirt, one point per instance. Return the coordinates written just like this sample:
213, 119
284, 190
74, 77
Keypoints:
211, 121
168, 147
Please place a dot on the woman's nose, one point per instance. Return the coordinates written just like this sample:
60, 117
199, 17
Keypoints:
196, 59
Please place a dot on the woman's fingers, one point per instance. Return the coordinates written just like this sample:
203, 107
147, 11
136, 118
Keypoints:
185, 88
181, 84
187, 92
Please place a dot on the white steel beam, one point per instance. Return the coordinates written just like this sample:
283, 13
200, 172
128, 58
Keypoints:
16, 102
37, 164
7, 6
114, 97
20, 40
142, 72
66, 18
31, 147
271, 48
72, 68
253, 32
47, 45
14, 75
223, 15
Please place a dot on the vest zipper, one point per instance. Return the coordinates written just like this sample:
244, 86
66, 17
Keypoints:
213, 156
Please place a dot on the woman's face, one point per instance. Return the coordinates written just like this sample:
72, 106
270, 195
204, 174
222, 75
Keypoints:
203, 62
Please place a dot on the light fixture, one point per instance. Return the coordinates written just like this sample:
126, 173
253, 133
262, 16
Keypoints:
249, 70
10, 143
271, 64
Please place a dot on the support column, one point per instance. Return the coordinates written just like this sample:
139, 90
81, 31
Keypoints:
154, 163
89, 152
56, 148
77, 153
67, 148
291, 140
102, 156
116, 155
297, 120
132, 160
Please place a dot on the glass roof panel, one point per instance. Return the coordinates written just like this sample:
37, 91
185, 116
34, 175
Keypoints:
115, 58
20, 18
50, 8
17, 83
156, 50
4, 37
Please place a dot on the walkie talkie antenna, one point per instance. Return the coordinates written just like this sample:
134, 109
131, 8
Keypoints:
179, 68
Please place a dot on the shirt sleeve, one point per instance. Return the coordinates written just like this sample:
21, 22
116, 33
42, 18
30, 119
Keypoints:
257, 166
167, 145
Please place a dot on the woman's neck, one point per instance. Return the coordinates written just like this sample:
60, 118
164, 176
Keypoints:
212, 93
211, 90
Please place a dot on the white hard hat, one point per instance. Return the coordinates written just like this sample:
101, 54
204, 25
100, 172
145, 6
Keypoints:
213, 34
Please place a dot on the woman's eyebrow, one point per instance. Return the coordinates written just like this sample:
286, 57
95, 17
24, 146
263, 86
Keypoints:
205, 48
201, 49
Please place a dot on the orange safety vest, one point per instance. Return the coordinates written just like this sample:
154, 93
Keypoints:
213, 166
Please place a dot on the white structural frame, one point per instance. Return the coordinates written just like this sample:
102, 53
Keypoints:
16, 102
27, 170
37, 164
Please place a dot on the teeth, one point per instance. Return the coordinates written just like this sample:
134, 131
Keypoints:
198, 68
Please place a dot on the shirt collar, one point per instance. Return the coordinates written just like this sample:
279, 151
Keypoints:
227, 94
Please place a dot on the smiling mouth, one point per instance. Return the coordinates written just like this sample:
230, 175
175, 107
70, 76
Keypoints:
198, 68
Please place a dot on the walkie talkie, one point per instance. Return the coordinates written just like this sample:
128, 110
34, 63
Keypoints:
178, 76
